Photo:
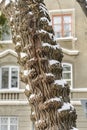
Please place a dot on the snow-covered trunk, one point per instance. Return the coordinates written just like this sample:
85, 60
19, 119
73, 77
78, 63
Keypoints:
40, 59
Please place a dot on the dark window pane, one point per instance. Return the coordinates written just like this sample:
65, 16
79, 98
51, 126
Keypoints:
14, 77
5, 77
69, 83
66, 76
66, 68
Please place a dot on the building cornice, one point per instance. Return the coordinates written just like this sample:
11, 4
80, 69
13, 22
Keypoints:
70, 52
81, 90
61, 10
8, 51
12, 90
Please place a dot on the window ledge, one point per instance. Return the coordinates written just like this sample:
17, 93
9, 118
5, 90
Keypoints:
79, 90
12, 90
6, 42
66, 39
21, 102
76, 103
70, 52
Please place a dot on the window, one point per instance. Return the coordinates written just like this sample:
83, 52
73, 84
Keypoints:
5, 31
67, 73
9, 77
8, 123
62, 25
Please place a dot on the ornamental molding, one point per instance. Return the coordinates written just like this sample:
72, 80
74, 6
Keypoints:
8, 51
70, 52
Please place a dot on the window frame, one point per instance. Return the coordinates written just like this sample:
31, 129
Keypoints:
9, 123
71, 73
9, 78
62, 24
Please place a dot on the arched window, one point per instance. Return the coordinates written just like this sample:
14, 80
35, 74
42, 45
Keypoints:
67, 73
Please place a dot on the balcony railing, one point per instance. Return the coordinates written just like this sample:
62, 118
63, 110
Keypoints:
11, 94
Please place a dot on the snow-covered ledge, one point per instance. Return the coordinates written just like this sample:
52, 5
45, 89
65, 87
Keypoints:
70, 38
8, 51
78, 103
81, 90
70, 52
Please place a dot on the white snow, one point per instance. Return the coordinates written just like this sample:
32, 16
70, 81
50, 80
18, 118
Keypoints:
52, 100
51, 62
49, 74
60, 82
38, 122
7, 2
32, 96
74, 128
50, 34
46, 44
17, 12
25, 72
66, 106
18, 44
11, 18
32, 59
1, 1
42, 31
30, 13
56, 46
52, 46
55, 99
27, 87
44, 19
44, 9
22, 54
33, 113
18, 36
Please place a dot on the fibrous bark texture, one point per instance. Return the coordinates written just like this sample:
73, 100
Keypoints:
40, 59
83, 4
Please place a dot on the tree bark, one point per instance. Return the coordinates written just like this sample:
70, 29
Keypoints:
83, 4
40, 59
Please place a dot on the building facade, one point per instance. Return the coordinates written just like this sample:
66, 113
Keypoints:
70, 27
14, 108
69, 23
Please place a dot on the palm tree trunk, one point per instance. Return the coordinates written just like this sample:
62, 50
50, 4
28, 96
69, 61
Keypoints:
40, 59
